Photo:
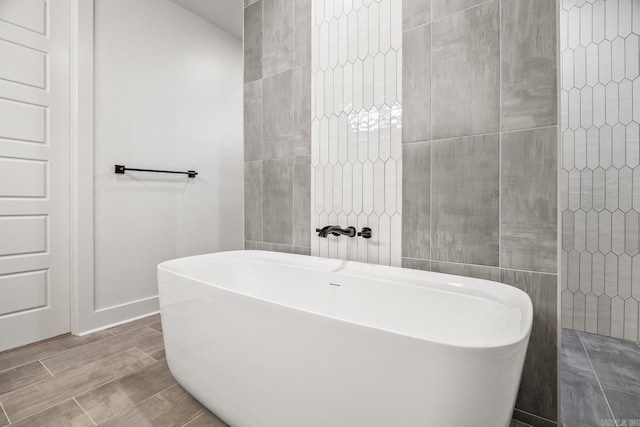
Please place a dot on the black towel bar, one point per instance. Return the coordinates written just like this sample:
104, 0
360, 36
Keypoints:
121, 169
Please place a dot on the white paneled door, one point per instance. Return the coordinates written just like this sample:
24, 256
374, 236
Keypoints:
34, 170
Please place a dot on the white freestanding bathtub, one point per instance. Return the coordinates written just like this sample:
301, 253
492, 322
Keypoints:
276, 340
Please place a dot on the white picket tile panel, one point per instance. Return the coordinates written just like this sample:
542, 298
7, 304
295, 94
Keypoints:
356, 127
600, 118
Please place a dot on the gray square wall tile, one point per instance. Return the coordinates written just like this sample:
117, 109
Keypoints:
302, 201
253, 121
302, 110
529, 87
442, 8
416, 85
277, 247
467, 270
539, 385
253, 201
301, 32
416, 264
415, 13
277, 218
252, 246
253, 42
416, 200
278, 115
465, 200
466, 73
277, 36
301, 250
528, 234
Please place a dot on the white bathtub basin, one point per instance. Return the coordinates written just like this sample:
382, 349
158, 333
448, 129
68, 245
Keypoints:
266, 339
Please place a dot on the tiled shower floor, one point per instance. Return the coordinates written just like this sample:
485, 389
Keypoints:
119, 377
600, 381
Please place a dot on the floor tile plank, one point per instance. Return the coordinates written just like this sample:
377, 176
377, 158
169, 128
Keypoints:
207, 419
581, 399
173, 407
625, 406
121, 394
154, 348
616, 362
34, 398
22, 376
67, 414
157, 326
574, 356
136, 324
25, 355
3, 418
78, 357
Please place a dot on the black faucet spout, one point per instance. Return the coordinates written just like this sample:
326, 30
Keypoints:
336, 231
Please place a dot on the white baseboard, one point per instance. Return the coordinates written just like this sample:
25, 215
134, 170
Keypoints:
113, 316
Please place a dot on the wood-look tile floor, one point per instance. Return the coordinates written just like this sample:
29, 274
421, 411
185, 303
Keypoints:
116, 377
119, 377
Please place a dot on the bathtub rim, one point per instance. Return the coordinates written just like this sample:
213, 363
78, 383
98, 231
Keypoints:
473, 283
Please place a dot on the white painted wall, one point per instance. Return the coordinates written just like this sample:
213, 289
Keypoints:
168, 94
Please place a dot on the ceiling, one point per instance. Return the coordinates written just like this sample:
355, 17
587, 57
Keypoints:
225, 14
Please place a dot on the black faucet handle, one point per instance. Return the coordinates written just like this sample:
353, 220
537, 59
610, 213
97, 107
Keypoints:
366, 233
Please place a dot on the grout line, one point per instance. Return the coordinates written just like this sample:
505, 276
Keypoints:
597, 379
197, 415
537, 417
147, 354
484, 266
260, 160
430, 132
83, 410
497, 132
622, 391
500, 83
193, 419
459, 11
5, 412
45, 367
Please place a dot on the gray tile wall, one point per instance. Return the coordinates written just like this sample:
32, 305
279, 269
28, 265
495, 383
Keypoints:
480, 147
481, 160
600, 169
277, 124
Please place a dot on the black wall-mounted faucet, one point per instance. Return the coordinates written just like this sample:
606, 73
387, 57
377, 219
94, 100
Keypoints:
338, 231
366, 233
